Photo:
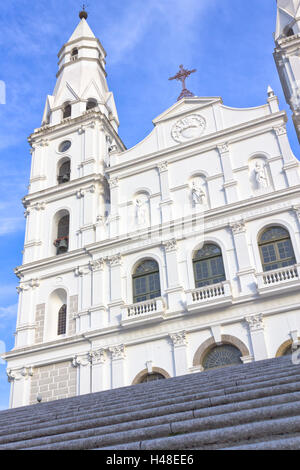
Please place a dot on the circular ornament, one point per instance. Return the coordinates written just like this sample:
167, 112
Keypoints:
64, 146
188, 128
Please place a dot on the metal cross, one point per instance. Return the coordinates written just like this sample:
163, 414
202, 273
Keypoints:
181, 76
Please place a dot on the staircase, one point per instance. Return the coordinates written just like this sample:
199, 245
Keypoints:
252, 406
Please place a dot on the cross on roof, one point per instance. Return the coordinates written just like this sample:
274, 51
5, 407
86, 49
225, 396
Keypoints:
181, 76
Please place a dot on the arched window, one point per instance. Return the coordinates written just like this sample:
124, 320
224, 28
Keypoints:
62, 320
64, 172
91, 103
74, 54
62, 241
152, 377
146, 283
290, 32
276, 249
222, 356
67, 110
208, 266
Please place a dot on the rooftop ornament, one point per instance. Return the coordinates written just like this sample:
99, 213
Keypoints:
181, 76
83, 13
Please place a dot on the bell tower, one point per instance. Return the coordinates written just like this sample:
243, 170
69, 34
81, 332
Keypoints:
69, 194
287, 54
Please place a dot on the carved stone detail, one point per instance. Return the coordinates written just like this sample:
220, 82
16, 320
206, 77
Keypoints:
81, 360
238, 227
114, 260
280, 130
179, 339
223, 148
98, 357
25, 286
162, 166
170, 245
97, 265
19, 374
188, 128
113, 183
255, 322
117, 352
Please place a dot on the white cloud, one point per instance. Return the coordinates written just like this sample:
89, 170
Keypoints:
8, 312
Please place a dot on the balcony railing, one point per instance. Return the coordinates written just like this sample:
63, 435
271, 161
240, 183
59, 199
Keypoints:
278, 277
150, 309
209, 294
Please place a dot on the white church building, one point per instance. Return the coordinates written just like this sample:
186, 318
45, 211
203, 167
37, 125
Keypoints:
175, 256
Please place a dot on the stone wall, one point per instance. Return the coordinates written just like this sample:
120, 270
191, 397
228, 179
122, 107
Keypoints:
53, 382
39, 320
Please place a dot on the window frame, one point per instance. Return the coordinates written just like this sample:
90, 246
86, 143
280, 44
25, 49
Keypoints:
211, 279
279, 262
148, 294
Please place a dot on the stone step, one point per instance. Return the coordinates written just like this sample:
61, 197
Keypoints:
209, 410
283, 378
235, 436
180, 423
157, 399
181, 435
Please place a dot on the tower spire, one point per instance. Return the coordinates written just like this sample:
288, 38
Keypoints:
286, 54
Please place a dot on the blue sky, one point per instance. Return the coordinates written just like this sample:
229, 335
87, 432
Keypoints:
229, 42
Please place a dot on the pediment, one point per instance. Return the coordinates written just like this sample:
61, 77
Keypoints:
66, 94
92, 91
186, 105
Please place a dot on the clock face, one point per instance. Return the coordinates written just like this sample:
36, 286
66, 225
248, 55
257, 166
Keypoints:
64, 146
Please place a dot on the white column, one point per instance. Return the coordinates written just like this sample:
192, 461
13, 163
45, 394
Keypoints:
246, 272
179, 341
230, 185
115, 286
89, 216
84, 275
118, 365
166, 201
99, 316
174, 289
89, 149
114, 225
83, 362
20, 386
257, 333
99, 375
291, 165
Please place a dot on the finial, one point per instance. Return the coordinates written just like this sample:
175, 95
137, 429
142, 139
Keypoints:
83, 13
182, 76
270, 92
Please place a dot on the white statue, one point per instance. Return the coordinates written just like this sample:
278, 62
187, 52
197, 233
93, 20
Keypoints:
198, 194
142, 211
260, 174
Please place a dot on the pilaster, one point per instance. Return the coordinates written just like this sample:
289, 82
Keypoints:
83, 363
20, 386
257, 333
291, 165
118, 355
179, 341
99, 372
230, 185
246, 272
174, 289
166, 201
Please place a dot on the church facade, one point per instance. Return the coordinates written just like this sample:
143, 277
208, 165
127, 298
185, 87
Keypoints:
175, 256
